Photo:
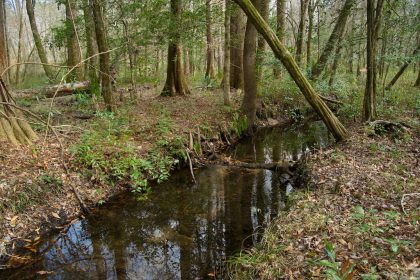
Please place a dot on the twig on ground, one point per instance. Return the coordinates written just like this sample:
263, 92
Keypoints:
191, 166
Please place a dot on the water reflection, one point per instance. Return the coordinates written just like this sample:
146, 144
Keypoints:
183, 231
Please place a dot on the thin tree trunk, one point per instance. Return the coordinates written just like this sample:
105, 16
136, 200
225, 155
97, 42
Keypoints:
3, 40
74, 55
210, 74
38, 41
226, 61
301, 30
335, 36
311, 10
330, 120
262, 44
19, 14
104, 58
335, 64
176, 83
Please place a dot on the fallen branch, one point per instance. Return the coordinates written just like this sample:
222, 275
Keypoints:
191, 166
282, 167
327, 99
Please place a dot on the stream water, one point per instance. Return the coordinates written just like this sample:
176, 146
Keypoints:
182, 230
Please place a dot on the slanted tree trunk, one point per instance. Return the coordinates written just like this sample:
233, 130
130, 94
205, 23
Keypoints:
335, 64
210, 73
38, 41
335, 36
104, 58
373, 25
402, 70
301, 30
226, 62
74, 55
249, 103
281, 27
237, 32
91, 46
330, 120
176, 83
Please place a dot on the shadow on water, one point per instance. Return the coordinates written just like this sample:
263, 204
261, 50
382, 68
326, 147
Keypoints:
182, 231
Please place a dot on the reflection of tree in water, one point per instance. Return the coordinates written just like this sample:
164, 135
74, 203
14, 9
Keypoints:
181, 231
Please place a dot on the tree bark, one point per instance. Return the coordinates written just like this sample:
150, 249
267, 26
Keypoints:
335, 64
210, 73
281, 27
249, 102
237, 32
226, 62
74, 55
104, 58
335, 36
262, 44
301, 30
91, 46
330, 120
176, 83
19, 15
373, 24
3, 40
311, 10
38, 41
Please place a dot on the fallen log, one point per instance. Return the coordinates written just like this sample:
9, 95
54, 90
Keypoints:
67, 89
282, 167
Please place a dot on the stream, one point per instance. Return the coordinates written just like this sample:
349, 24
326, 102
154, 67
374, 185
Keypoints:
182, 230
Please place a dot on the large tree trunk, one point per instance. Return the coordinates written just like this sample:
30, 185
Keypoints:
91, 46
330, 120
38, 41
210, 45
226, 62
104, 58
281, 27
237, 32
335, 36
176, 83
249, 103
302, 26
74, 55
373, 25
402, 69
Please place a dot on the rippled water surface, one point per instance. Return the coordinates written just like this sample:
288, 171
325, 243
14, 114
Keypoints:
182, 231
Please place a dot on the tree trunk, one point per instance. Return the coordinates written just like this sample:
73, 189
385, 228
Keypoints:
351, 47
335, 36
3, 40
311, 10
176, 83
402, 69
237, 32
262, 44
249, 103
74, 55
38, 41
226, 62
281, 27
330, 120
210, 73
302, 25
373, 24
104, 58
91, 46
417, 83
335, 65
19, 15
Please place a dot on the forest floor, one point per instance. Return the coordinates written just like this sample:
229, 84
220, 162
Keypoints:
359, 215
101, 152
